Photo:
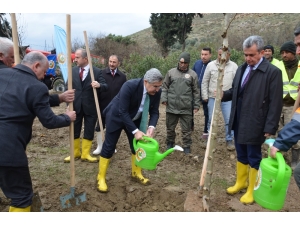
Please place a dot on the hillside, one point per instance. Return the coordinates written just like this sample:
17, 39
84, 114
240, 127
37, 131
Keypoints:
275, 28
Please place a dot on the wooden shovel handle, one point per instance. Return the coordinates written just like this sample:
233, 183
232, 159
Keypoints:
93, 79
68, 36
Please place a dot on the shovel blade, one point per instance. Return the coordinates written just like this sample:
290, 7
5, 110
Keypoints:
36, 205
71, 199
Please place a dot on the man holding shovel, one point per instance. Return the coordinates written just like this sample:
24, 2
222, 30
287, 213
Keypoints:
7, 60
84, 105
22, 98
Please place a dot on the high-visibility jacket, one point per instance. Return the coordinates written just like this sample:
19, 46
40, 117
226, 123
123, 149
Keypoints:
275, 62
291, 86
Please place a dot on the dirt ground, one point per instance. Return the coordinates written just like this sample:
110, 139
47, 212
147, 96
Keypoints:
176, 176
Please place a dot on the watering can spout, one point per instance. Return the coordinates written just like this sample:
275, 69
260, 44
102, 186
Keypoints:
160, 156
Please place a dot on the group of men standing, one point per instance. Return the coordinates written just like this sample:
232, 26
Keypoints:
125, 105
256, 96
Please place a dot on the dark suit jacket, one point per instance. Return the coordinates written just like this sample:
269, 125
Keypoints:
22, 98
262, 103
123, 108
114, 85
84, 95
53, 99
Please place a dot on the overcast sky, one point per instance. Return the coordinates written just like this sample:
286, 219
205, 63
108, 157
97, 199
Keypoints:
119, 17
39, 27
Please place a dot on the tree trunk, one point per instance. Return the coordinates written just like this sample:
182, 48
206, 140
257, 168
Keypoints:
207, 170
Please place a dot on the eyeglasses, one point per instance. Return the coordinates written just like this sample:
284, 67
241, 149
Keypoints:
183, 62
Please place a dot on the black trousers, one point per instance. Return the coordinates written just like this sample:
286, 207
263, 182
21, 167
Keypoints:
16, 184
89, 125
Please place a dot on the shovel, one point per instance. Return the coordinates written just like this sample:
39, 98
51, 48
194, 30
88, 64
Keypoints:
71, 199
36, 205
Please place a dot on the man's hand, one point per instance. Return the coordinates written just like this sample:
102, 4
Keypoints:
267, 135
139, 135
71, 114
196, 110
95, 84
68, 96
273, 151
150, 132
164, 103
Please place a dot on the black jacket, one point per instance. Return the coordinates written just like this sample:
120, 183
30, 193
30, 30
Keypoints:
84, 94
114, 85
123, 108
53, 99
261, 105
22, 98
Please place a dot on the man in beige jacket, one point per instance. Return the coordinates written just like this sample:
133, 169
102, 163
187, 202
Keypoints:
209, 88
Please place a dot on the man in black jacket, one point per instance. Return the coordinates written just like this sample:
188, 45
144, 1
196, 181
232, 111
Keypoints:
84, 104
114, 79
23, 98
7, 60
256, 95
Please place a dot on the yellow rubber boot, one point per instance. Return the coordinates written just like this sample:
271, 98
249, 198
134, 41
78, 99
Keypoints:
241, 178
86, 148
103, 165
15, 209
77, 153
136, 172
247, 198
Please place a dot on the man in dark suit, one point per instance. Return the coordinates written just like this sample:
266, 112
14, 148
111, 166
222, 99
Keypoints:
7, 60
256, 96
84, 104
23, 98
114, 79
124, 112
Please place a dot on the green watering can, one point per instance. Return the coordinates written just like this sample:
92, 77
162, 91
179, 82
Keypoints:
147, 155
272, 181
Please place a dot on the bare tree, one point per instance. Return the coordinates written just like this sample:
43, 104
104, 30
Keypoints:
206, 175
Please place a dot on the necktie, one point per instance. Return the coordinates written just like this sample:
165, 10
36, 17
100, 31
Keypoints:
81, 73
247, 76
113, 72
144, 120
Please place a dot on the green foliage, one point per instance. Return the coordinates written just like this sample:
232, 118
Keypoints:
237, 56
5, 29
167, 28
163, 30
120, 39
137, 65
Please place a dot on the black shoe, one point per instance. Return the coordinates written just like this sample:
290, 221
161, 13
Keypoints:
187, 150
170, 145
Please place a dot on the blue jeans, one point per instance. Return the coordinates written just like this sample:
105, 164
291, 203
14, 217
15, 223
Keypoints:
226, 108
